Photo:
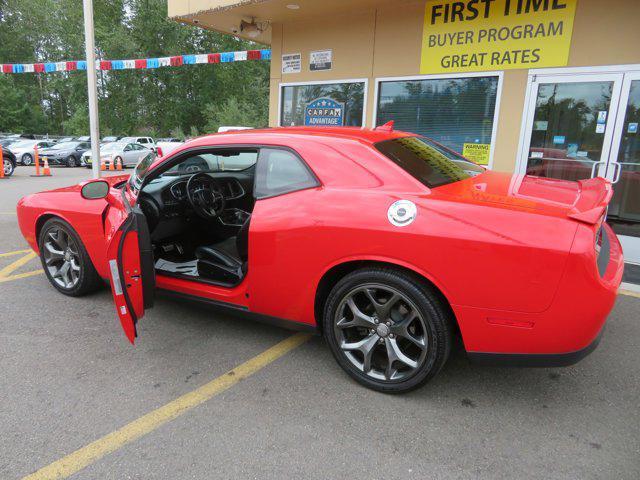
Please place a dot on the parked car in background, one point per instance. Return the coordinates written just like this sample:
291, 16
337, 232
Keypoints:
84, 138
5, 142
24, 150
165, 147
9, 162
231, 129
127, 153
65, 139
168, 139
144, 141
110, 139
65, 153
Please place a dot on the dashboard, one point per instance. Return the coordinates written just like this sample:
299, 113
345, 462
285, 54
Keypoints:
165, 198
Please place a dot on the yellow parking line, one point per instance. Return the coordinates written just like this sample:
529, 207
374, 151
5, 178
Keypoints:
6, 271
85, 456
629, 293
18, 276
17, 252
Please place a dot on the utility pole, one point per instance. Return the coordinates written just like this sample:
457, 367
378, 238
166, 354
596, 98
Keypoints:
92, 89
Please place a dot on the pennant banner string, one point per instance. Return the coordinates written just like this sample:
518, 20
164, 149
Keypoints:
141, 63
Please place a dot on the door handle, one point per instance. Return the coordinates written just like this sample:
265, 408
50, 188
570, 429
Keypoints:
617, 172
593, 168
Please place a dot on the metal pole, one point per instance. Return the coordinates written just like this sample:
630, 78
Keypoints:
92, 89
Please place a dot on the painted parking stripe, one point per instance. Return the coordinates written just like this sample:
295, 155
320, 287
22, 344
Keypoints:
85, 456
9, 269
14, 253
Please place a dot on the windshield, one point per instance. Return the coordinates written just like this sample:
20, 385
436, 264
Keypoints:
65, 145
23, 144
140, 172
110, 147
426, 161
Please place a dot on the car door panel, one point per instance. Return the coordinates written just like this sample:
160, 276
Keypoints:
131, 266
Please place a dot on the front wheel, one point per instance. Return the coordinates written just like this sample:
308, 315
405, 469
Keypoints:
27, 159
65, 260
386, 329
71, 161
8, 167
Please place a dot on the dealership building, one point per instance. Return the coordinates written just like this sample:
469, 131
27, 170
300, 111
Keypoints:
547, 87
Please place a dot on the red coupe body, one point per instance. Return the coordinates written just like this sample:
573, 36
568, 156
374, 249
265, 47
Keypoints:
527, 265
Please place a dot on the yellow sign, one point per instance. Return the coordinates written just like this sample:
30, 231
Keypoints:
477, 152
477, 35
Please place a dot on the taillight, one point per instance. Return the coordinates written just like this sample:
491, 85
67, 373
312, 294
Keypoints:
599, 235
159, 152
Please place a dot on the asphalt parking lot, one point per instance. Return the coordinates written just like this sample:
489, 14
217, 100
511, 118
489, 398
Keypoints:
70, 378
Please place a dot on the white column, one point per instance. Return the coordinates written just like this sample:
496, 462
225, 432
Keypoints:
92, 89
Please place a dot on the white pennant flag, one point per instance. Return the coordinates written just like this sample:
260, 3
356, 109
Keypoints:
239, 56
164, 61
202, 59
61, 66
28, 68
129, 63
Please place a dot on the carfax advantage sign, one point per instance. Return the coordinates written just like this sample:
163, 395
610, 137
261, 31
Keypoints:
477, 35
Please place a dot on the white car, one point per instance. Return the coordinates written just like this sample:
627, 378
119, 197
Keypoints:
127, 153
144, 141
24, 150
167, 147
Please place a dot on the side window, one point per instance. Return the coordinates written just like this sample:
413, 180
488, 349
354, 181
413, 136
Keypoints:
142, 140
279, 172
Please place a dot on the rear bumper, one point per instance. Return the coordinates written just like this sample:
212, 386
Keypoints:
567, 330
540, 360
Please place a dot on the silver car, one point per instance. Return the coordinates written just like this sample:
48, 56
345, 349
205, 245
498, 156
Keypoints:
127, 153
24, 150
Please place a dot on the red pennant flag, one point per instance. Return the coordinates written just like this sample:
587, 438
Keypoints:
72, 66
176, 61
7, 68
141, 63
213, 58
253, 55
105, 65
38, 67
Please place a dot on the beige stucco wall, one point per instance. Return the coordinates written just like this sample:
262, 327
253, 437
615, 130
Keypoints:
386, 41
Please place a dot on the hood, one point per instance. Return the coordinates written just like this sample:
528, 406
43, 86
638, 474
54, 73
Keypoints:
585, 200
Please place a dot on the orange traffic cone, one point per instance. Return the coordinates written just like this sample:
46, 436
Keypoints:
112, 166
103, 164
2, 177
119, 164
45, 170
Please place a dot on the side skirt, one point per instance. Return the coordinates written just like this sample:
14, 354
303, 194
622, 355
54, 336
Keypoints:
542, 360
242, 311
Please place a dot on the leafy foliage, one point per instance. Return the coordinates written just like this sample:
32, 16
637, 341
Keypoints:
194, 98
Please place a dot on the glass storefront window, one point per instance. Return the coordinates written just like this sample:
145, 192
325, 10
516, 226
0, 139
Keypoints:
343, 104
455, 112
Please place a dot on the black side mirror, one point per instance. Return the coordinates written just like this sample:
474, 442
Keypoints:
95, 190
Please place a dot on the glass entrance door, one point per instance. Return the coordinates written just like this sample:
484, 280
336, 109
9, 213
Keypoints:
571, 124
581, 125
624, 209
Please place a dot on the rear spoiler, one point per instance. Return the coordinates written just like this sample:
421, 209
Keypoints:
595, 195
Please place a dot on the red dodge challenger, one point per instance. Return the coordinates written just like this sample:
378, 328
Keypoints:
386, 242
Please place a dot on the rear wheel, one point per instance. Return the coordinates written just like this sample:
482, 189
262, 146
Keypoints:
8, 167
65, 260
27, 159
386, 329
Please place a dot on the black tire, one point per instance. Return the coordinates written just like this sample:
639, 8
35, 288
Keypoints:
414, 295
71, 161
88, 279
26, 159
9, 167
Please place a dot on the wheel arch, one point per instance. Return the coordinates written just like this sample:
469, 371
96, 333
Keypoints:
340, 270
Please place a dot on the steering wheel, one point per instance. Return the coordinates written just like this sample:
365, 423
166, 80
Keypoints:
205, 195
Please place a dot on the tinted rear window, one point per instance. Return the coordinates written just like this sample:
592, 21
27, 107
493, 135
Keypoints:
427, 162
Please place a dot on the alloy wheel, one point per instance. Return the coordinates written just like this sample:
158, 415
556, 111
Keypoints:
27, 160
62, 257
381, 332
71, 161
8, 168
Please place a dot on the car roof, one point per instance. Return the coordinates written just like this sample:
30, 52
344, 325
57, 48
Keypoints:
364, 135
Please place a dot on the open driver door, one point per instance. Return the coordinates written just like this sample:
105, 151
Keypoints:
131, 266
